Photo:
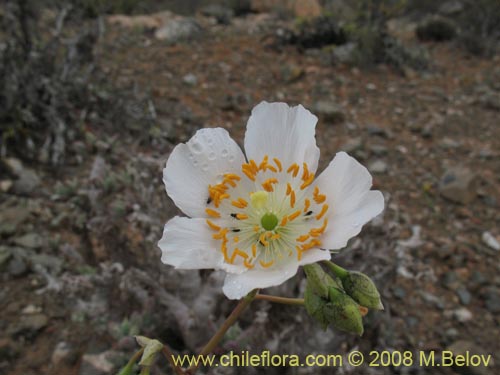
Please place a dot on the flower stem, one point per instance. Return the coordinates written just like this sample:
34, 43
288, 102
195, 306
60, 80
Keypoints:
283, 300
128, 368
168, 353
340, 272
231, 319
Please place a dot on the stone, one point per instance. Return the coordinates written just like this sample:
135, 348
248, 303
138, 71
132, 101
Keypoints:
463, 295
346, 53
62, 354
98, 364
378, 150
11, 218
27, 180
29, 240
457, 185
17, 266
148, 22
352, 145
462, 314
329, 110
490, 241
492, 300
220, 13
450, 8
178, 29
190, 79
378, 167
31, 324
375, 130
5, 255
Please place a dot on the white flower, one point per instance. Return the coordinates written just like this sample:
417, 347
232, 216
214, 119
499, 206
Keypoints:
261, 217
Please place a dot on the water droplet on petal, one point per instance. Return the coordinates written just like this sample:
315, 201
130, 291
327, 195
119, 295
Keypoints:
204, 167
196, 146
211, 156
224, 152
231, 158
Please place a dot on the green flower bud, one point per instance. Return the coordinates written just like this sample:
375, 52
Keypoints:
151, 348
362, 289
343, 312
319, 280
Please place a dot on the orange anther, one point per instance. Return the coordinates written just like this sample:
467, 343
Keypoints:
212, 213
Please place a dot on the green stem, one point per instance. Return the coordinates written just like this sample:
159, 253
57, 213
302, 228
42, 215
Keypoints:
283, 300
231, 319
340, 272
168, 353
128, 368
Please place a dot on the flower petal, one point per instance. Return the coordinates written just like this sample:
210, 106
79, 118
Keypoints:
347, 184
203, 160
313, 256
237, 286
188, 244
282, 132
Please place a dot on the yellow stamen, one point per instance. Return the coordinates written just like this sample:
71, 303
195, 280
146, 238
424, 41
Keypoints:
240, 203
212, 213
292, 199
256, 228
270, 167
267, 185
299, 252
323, 211
220, 235
263, 165
238, 252
284, 221
294, 215
241, 216
275, 236
303, 238
307, 204
262, 239
245, 168
247, 264
224, 252
254, 250
307, 182
278, 164
305, 173
266, 265
212, 225
295, 168
232, 176
236, 239
253, 166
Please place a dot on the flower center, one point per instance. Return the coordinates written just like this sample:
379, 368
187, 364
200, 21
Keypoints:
269, 221
266, 214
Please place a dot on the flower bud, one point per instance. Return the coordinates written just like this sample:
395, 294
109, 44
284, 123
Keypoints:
362, 289
151, 348
343, 312
319, 280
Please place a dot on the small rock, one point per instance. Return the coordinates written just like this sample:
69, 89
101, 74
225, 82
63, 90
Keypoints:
98, 364
378, 150
190, 79
490, 241
29, 240
330, 111
31, 324
463, 295
5, 255
352, 145
220, 13
399, 292
11, 218
291, 73
457, 185
452, 7
346, 53
17, 267
378, 167
27, 180
492, 298
377, 131
462, 314
178, 29
436, 29
62, 354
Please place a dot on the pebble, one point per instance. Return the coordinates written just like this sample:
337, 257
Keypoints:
178, 29
29, 240
190, 79
378, 167
457, 185
330, 111
464, 295
462, 314
490, 241
62, 354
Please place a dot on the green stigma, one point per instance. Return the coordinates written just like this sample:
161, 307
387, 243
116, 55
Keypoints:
269, 221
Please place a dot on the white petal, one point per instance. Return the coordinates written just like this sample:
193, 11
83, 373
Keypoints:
284, 132
188, 244
347, 184
203, 160
238, 286
313, 256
